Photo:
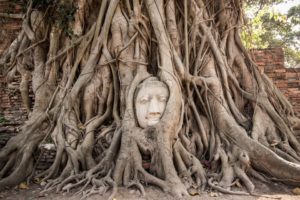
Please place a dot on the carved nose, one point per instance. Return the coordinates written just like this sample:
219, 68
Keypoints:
153, 107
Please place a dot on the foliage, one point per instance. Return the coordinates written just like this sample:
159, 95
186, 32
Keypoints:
2, 119
65, 15
268, 28
41, 4
62, 12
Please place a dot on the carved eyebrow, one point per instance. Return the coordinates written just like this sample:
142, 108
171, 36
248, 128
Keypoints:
144, 98
162, 96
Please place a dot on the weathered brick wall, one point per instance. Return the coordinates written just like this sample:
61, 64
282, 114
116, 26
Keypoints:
271, 61
11, 107
9, 27
11, 102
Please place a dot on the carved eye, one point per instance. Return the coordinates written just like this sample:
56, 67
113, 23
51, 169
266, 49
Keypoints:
144, 100
163, 99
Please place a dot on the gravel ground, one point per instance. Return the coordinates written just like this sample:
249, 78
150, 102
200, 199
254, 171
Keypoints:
273, 191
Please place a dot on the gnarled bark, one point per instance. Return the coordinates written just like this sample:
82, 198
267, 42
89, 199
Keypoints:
223, 120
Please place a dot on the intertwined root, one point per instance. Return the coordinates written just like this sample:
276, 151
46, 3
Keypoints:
223, 122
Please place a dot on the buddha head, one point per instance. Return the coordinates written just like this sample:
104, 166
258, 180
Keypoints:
150, 101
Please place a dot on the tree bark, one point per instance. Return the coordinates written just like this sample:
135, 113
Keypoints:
223, 119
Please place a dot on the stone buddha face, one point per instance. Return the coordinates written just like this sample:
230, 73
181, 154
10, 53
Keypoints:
150, 101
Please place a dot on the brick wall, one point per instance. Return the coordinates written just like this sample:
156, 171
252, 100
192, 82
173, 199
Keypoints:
11, 107
271, 61
9, 27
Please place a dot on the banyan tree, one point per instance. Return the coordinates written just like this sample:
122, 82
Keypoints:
138, 92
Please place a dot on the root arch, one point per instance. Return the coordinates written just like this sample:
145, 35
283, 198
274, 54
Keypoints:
223, 121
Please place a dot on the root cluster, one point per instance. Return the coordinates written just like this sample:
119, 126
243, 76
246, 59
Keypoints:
224, 122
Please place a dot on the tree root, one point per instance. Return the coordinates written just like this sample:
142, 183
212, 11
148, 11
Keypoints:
221, 113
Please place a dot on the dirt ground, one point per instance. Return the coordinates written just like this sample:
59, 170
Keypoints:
272, 190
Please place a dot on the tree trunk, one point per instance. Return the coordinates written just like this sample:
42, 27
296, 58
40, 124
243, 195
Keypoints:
222, 120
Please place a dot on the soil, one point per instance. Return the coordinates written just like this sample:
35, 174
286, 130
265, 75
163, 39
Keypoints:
270, 191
